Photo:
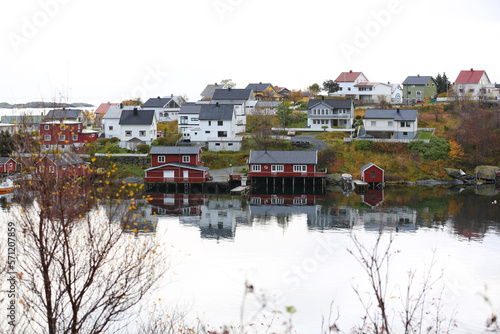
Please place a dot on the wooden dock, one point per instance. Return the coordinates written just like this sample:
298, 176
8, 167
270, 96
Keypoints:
241, 190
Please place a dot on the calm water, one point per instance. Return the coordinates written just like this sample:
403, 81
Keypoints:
293, 250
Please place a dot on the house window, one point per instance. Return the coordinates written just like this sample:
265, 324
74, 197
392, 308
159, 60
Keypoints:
10, 165
75, 137
194, 119
142, 133
63, 127
405, 124
217, 144
299, 168
405, 133
207, 131
390, 123
110, 128
373, 123
220, 123
229, 144
432, 85
46, 137
185, 158
46, 127
183, 120
373, 174
255, 168
222, 134
62, 137
427, 84
161, 158
51, 169
277, 168
419, 93
348, 88
209, 123
409, 92
128, 133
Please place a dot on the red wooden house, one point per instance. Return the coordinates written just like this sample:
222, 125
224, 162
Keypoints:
283, 164
7, 165
63, 165
176, 164
64, 135
372, 174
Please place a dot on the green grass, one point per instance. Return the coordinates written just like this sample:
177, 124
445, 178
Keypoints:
425, 135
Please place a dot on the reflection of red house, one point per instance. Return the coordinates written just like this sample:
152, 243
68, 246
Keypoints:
176, 164
373, 197
269, 199
62, 165
372, 173
7, 165
177, 204
65, 135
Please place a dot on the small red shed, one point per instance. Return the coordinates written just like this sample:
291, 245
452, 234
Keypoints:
372, 173
7, 165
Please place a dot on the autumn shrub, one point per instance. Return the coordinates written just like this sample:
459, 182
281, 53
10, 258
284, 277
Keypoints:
223, 159
390, 147
363, 145
436, 149
143, 148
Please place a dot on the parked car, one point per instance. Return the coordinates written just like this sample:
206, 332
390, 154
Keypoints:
291, 132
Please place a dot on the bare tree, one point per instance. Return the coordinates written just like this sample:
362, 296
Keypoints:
81, 268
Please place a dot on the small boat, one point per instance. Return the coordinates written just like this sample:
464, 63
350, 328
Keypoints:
6, 186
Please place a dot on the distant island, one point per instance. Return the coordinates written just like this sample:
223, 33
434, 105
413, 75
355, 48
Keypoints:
6, 105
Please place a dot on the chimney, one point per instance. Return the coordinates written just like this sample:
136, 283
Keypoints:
397, 110
158, 97
171, 95
229, 89
323, 98
418, 75
350, 71
472, 70
217, 104
121, 105
135, 111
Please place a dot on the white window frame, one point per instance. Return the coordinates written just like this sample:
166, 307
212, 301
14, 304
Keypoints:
300, 168
390, 123
373, 123
256, 168
128, 133
62, 137
75, 137
161, 158
46, 137
46, 127
277, 168
186, 158
142, 133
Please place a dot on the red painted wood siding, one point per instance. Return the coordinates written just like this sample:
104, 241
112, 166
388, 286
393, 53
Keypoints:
266, 171
6, 168
194, 175
194, 159
376, 177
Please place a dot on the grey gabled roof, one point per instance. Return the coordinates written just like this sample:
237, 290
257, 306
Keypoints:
258, 87
402, 115
173, 150
368, 165
138, 117
156, 102
65, 159
216, 111
418, 80
334, 103
4, 160
190, 108
232, 94
179, 164
283, 157
63, 114
210, 89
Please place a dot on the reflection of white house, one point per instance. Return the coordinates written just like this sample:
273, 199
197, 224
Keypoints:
475, 84
391, 123
402, 219
219, 218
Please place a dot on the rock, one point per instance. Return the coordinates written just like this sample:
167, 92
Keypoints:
486, 173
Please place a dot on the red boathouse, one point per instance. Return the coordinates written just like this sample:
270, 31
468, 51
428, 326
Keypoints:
372, 174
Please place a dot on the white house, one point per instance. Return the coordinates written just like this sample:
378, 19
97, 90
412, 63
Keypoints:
218, 124
166, 108
391, 123
330, 113
189, 117
111, 120
396, 93
373, 92
476, 84
137, 127
243, 101
347, 80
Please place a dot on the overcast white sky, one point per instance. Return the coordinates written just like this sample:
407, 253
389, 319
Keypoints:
107, 50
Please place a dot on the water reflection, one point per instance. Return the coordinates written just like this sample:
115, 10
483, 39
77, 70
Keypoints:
470, 212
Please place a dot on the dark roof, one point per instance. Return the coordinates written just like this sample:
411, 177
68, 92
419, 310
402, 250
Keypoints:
169, 150
178, 164
283, 157
216, 111
63, 114
156, 102
402, 115
4, 160
210, 89
334, 103
65, 159
190, 108
232, 94
418, 80
259, 87
137, 117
